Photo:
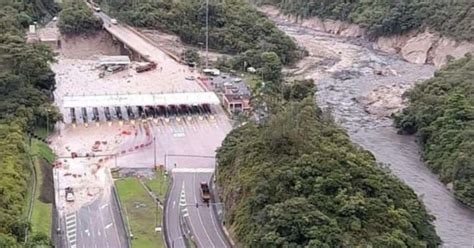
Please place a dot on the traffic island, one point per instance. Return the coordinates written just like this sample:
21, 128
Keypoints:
142, 213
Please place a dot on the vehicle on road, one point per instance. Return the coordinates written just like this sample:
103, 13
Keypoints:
205, 192
113, 21
96, 9
190, 78
143, 68
69, 194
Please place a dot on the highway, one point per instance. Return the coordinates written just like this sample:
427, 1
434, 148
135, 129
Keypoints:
203, 223
97, 225
187, 172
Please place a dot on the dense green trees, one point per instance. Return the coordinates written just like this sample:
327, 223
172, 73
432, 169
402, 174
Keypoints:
234, 26
441, 113
297, 181
385, 17
77, 18
25, 84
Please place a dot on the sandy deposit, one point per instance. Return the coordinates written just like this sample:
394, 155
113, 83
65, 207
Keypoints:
81, 77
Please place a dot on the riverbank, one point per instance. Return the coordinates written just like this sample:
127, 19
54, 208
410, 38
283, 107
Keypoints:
426, 47
347, 72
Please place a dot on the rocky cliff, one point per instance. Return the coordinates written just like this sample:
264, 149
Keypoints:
415, 47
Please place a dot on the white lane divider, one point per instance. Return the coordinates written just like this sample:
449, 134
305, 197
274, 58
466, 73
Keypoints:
182, 203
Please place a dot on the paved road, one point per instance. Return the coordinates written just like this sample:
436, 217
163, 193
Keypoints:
204, 225
97, 225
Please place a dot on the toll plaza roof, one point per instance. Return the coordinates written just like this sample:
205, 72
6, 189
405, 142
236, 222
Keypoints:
192, 98
114, 60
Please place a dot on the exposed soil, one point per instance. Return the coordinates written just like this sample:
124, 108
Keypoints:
88, 47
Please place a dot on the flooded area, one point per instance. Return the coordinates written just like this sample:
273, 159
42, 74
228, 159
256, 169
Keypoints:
362, 88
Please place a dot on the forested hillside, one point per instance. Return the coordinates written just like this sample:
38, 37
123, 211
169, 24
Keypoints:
77, 18
25, 81
386, 17
298, 181
441, 114
234, 26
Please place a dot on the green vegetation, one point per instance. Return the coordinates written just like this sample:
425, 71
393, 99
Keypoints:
44, 195
298, 181
386, 17
158, 185
191, 56
141, 213
441, 114
25, 80
235, 27
77, 18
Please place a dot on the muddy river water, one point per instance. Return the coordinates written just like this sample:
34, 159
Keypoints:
347, 70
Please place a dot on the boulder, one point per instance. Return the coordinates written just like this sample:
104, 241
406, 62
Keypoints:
416, 48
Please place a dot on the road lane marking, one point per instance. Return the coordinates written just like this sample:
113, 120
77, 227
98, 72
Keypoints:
199, 215
192, 170
103, 206
215, 227
174, 203
115, 226
108, 226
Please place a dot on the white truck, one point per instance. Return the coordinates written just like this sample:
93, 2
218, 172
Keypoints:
69, 194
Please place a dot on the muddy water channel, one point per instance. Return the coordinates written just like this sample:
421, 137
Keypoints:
361, 87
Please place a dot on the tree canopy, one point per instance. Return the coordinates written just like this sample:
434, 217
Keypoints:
441, 114
25, 84
297, 181
234, 26
77, 18
386, 17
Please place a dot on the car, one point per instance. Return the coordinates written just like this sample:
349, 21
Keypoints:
96, 9
69, 194
190, 78
55, 19
113, 21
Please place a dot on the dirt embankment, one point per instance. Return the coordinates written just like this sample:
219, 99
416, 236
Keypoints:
87, 47
415, 47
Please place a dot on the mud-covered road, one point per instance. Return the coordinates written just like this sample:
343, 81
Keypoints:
362, 88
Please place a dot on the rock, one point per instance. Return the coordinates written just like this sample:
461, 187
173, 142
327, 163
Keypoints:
416, 49
446, 46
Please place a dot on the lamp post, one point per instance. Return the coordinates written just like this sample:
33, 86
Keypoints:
207, 34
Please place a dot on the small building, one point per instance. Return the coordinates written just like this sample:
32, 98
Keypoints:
233, 93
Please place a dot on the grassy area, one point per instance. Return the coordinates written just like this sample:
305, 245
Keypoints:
44, 195
141, 212
158, 185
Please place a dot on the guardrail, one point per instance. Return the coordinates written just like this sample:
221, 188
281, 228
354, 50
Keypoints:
126, 224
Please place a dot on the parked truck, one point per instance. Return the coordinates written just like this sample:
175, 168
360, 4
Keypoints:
205, 193
149, 66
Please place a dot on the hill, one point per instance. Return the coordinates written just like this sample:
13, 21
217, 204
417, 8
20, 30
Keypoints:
386, 17
441, 113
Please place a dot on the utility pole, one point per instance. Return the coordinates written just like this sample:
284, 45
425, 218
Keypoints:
154, 151
207, 34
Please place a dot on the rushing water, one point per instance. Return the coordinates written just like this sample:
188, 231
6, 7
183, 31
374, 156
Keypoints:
331, 56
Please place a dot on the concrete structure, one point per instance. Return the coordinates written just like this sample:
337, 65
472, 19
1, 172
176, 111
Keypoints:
233, 93
114, 60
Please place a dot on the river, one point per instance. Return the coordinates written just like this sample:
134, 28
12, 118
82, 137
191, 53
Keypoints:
346, 71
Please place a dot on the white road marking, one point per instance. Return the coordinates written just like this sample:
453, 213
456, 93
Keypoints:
199, 215
192, 170
98, 232
103, 206
108, 226
174, 203
215, 227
